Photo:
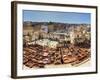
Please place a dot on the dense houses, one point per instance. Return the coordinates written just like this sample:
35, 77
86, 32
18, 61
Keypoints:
46, 43
65, 32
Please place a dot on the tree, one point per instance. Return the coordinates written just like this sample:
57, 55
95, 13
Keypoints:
50, 23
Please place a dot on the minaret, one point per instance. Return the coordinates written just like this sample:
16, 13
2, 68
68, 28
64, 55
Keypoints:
72, 36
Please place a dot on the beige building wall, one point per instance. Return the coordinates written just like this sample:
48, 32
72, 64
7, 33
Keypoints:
27, 30
50, 27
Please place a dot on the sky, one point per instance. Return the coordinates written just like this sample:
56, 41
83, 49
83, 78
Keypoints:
53, 16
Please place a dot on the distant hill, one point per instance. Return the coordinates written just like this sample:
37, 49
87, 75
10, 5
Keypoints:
26, 23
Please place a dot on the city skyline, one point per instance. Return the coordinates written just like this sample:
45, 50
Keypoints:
54, 16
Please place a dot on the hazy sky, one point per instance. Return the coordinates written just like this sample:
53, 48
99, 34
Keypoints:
51, 16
